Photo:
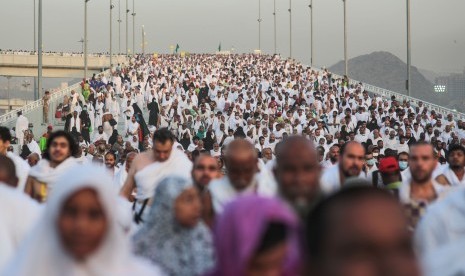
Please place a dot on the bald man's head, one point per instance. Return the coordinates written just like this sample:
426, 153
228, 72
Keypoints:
33, 159
8, 171
241, 163
129, 158
297, 172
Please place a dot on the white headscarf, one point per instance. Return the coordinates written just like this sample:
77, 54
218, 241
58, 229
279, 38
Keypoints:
43, 254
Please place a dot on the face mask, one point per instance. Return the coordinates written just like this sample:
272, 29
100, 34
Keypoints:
371, 162
403, 165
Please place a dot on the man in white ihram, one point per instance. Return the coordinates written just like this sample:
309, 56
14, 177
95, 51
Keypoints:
22, 124
149, 167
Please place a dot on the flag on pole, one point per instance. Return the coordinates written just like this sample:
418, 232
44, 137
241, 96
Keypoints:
219, 47
177, 48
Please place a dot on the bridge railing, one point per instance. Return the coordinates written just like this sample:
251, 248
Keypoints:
35, 109
401, 97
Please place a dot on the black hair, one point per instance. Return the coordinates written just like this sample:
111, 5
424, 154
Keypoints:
111, 153
274, 234
73, 146
317, 222
455, 147
163, 135
5, 134
8, 171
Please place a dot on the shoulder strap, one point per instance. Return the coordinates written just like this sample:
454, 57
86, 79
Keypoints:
138, 216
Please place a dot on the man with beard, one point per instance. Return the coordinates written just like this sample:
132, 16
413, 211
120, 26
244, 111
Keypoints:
204, 170
454, 174
61, 149
100, 136
110, 163
241, 164
443, 225
421, 190
333, 155
151, 166
267, 155
350, 164
297, 173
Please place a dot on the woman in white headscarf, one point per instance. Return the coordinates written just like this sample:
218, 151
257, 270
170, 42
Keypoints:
79, 233
173, 236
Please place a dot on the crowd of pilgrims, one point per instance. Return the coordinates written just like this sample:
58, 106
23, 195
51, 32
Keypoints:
232, 165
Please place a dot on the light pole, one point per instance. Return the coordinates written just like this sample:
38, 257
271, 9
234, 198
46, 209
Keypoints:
111, 33
39, 54
311, 32
85, 38
346, 62
409, 56
143, 40
82, 45
274, 17
133, 28
259, 25
35, 45
290, 28
127, 29
8, 93
119, 27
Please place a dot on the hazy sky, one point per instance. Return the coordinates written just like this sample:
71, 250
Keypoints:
438, 27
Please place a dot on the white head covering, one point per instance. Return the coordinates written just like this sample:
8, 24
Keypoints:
43, 254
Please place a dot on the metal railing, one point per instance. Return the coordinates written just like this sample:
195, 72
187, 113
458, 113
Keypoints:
401, 97
10, 117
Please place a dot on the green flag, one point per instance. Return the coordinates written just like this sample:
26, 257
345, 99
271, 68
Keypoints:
177, 48
219, 47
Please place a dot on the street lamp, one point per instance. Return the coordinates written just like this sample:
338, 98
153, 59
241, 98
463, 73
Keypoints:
409, 56
35, 45
290, 28
274, 18
143, 40
259, 25
82, 45
311, 32
8, 93
133, 27
127, 29
119, 27
39, 59
111, 32
85, 38
346, 62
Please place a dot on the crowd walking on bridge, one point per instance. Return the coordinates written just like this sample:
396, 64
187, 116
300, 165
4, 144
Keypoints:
232, 165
